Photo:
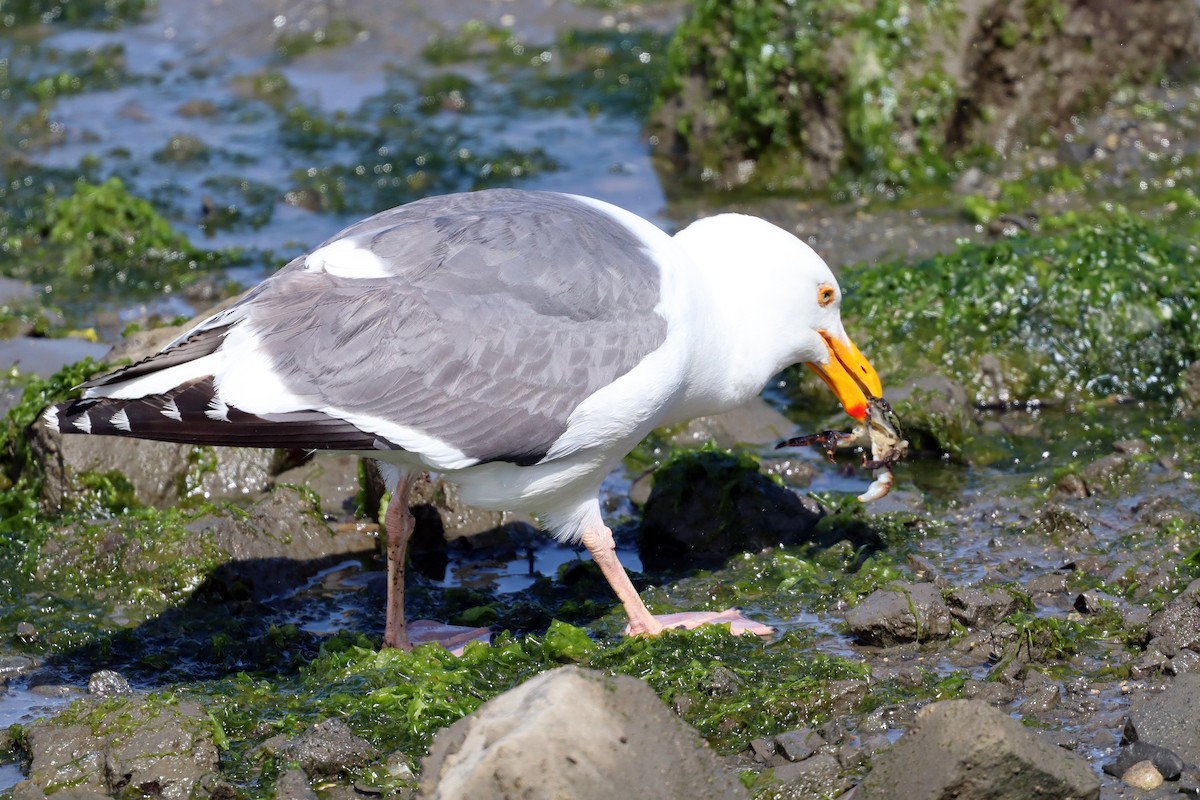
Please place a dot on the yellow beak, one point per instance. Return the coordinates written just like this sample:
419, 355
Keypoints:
849, 375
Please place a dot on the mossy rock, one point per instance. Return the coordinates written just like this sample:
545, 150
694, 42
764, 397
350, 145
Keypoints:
710, 504
1106, 309
794, 93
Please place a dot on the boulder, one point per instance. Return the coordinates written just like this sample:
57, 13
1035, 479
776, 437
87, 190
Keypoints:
1168, 719
967, 749
795, 94
574, 733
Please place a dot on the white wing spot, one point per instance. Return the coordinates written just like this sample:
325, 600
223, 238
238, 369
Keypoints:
50, 418
84, 423
345, 259
121, 420
170, 410
217, 410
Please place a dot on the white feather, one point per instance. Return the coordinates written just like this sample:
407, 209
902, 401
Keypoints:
217, 410
50, 418
346, 259
121, 420
171, 411
162, 381
84, 423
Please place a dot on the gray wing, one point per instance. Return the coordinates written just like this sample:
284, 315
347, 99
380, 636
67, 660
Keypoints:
503, 311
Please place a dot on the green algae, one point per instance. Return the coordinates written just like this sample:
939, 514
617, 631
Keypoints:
748, 71
84, 13
399, 700
1104, 309
100, 239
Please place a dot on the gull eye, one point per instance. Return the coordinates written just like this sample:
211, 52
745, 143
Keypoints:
826, 294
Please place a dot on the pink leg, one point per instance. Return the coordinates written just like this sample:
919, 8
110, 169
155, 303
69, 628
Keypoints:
598, 539
398, 525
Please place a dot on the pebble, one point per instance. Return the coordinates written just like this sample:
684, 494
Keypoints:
1143, 775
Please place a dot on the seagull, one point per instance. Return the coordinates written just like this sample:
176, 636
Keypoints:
518, 343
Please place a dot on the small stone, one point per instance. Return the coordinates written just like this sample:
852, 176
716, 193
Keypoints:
799, 744
763, 750
107, 683
1143, 775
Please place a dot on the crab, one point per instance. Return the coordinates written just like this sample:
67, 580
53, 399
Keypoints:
888, 445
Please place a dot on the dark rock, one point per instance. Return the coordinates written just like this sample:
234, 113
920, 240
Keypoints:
977, 607
1168, 719
328, 748
107, 683
904, 613
963, 748
574, 733
1164, 760
708, 505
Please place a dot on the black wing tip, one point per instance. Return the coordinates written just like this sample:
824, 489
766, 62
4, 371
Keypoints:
190, 415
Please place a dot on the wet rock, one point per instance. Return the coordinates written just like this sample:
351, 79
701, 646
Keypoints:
159, 473
1168, 719
28, 790
275, 545
107, 683
258, 553
335, 479
799, 744
1178, 622
1048, 583
1106, 472
978, 607
155, 750
964, 743
293, 785
708, 505
574, 733
904, 613
328, 748
819, 776
1071, 485
1061, 526
1165, 761
1189, 400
